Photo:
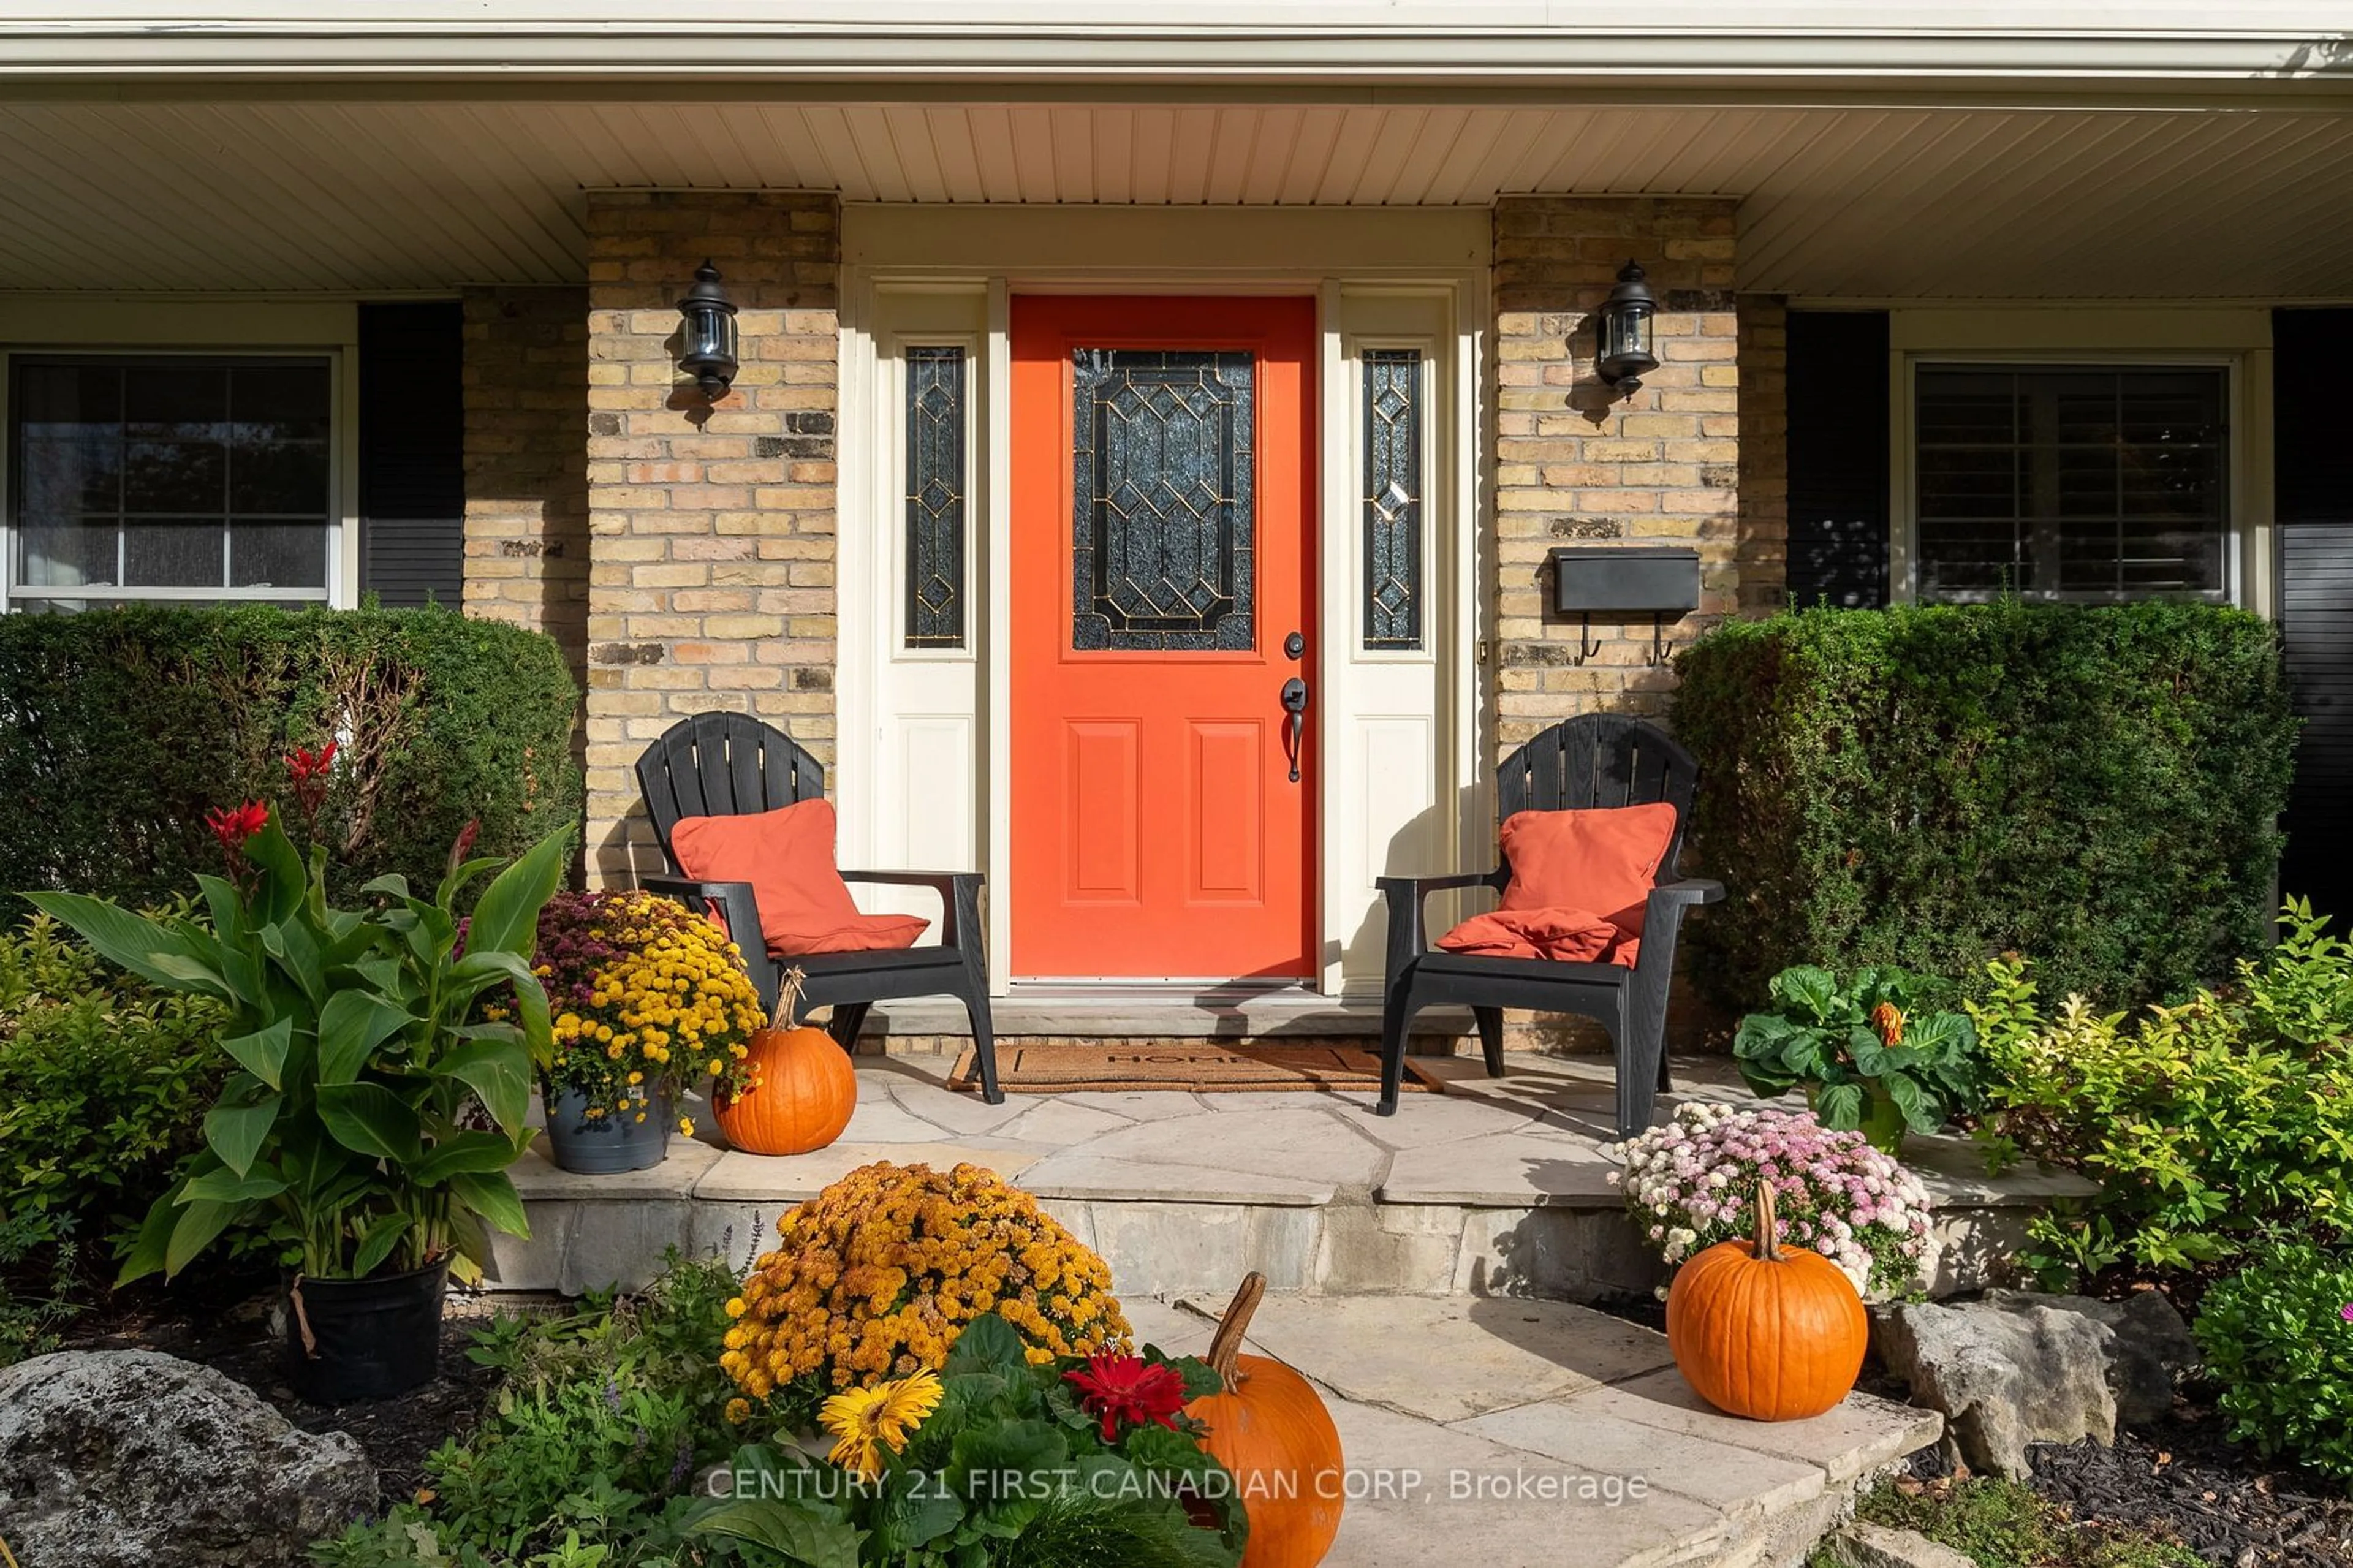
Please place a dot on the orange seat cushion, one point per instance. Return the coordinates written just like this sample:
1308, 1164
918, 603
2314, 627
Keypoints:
787, 856
1566, 936
1605, 860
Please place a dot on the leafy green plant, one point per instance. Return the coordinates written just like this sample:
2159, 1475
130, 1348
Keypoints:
103, 1083
36, 1287
1925, 786
2206, 1124
2276, 1335
602, 1415
1863, 1041
345, 1133
1011, 1468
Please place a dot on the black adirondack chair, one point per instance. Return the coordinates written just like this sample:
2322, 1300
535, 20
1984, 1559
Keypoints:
1597, 760
724, 764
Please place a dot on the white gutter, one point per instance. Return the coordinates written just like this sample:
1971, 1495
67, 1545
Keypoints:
1411, 43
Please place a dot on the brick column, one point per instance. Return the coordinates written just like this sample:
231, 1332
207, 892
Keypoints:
711, 527
1575, 466
527, 380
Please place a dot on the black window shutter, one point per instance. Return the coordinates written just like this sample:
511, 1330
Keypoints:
412, 454
1838, 458
2312, 465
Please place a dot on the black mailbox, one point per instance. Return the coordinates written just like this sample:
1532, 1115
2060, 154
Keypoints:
1618, 584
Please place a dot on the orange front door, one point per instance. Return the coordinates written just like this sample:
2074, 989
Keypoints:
1163, 795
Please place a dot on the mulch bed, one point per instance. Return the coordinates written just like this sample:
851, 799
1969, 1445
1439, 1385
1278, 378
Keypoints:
229, 1330
2184, 1477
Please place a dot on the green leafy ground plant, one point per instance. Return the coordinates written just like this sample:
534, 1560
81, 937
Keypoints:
2276, 1335
2208, 1125
103, 1082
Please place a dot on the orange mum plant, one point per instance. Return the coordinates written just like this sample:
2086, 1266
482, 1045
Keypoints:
876, 1276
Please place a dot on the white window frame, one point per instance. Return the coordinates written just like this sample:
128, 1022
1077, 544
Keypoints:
84, 326
2095, 334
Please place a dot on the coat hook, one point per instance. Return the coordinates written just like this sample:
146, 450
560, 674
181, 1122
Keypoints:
1658, 654
1585, 647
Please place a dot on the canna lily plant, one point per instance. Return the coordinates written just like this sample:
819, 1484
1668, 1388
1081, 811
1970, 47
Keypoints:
353, 1137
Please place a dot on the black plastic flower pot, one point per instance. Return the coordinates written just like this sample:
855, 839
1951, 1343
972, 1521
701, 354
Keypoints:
349, 1340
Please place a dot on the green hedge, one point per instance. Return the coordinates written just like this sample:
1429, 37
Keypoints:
119, 729
2096, 787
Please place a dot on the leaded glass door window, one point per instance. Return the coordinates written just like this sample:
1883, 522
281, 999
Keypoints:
1163, 454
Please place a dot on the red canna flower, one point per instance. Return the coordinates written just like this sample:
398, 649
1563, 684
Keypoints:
306, 764
309, 770
1130, 1389
464, 846
234, 828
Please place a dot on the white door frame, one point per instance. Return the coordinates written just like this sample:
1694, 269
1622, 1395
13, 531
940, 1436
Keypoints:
934, 274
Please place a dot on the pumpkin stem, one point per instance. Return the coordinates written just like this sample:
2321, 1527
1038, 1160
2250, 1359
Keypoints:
1228, 1344
1768, 1230
788, 997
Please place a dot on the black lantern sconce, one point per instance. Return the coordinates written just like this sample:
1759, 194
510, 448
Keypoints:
1623, 332
707, 342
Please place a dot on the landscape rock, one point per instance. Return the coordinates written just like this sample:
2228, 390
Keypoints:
1860, 1545
127, 1458
2004, 1376
2019, 1368
2148, 1346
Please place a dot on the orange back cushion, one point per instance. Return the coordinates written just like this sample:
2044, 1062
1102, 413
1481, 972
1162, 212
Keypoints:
1605, 860
787, 856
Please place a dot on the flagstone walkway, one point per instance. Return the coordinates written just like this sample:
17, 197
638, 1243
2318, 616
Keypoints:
1518, 1433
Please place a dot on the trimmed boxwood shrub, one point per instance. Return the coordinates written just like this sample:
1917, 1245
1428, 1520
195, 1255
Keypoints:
119, 729
2098, 788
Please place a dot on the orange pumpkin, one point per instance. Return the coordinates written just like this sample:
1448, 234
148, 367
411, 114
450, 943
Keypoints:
1270, 1429
1770, 1333
803, 1089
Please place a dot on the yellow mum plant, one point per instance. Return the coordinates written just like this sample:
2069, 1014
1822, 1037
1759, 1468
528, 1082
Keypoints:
645, 997
875, 1277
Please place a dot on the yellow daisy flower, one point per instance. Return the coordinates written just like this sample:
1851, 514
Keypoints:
867, 1420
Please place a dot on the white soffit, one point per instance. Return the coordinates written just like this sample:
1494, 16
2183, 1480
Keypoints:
1862, 202
1555, 42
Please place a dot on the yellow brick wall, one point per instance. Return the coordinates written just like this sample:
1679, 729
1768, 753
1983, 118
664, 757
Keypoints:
711, 527
526, 395
1574, 467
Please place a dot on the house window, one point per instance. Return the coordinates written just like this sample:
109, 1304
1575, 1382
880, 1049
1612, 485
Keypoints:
175, 478
935, 496
2080, 482
1392, 439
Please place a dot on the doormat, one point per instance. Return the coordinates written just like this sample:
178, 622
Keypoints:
1204, 1068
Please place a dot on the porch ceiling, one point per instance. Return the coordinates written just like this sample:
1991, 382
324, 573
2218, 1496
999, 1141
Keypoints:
1861, 202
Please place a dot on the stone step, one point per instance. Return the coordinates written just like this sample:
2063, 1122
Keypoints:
1543, 1432
1496, 1187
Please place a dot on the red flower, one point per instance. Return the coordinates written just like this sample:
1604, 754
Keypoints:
234, 828
306, 764
464, 844
309, 770
1130, 1389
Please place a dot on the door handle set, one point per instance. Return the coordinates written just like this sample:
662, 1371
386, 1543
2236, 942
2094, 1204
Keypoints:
1294, 705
